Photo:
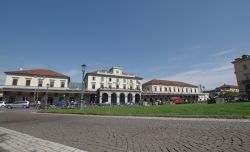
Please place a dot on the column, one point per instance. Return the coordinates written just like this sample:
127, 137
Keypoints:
126, 99
133, 98
109, 99
100, 99
118, 100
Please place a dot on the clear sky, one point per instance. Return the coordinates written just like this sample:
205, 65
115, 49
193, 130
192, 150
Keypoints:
186, 40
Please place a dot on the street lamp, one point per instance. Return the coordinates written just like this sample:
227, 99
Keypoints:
39, 78
83, 71
46, 101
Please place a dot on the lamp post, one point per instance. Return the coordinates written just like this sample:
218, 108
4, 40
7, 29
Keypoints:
83, 66
46, 101
39, 78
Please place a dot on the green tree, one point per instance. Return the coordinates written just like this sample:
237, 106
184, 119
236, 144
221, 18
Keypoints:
230, 95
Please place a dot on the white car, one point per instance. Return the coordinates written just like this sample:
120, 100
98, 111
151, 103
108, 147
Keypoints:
18, 104
2, 103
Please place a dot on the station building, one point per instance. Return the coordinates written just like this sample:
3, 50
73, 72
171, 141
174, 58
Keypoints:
113, 86
165, 90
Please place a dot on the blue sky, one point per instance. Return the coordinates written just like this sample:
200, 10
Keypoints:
192, 41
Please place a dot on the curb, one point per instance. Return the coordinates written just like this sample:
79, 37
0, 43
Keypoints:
154, 116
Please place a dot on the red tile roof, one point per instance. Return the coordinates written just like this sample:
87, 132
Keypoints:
169, 83
38, 72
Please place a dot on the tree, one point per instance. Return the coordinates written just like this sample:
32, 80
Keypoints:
230, 95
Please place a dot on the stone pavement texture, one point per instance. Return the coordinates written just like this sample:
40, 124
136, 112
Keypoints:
14, 141
129, 134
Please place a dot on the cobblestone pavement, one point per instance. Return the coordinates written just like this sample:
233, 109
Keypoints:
121, 134
14, 141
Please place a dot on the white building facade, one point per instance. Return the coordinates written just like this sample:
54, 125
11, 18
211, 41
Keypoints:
34, 85
114, 86
165, 91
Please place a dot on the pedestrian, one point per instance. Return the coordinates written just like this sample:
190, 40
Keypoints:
38, 105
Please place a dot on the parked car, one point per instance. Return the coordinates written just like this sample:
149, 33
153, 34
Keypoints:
18, 104
2, 103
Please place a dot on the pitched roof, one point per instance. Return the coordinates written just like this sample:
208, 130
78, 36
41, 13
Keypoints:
38, 72
228, 86
168, 83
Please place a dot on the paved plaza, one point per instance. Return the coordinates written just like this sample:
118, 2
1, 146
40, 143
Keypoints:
122, 134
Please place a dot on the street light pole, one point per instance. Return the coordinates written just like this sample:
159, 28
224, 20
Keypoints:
83, 66
46, 102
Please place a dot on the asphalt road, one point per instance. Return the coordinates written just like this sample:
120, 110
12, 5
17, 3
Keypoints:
105, 134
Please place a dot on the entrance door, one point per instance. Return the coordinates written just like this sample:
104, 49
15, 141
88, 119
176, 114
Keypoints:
50, 100
113, 99
122, 99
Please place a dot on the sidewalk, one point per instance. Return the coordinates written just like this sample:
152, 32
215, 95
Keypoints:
13, 141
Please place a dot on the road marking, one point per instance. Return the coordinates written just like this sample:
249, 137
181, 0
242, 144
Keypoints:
14, 141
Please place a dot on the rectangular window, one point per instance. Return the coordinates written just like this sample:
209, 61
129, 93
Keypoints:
160, 89
93, 86
102, 79
40, 83
62, 84
51, 84
14, 82
131, 81
102, 85
117, 86
137, 87
110, 79
245, 67
110, 86
166, 89
131, 87
28, 82
117, 80
155, 89
93, 78
124, 86
169, 89
124, 80
247, 76
187, 90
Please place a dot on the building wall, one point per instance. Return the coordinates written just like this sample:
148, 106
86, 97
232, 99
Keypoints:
114, 78
170, 89
105, 80
34, 81
242, 74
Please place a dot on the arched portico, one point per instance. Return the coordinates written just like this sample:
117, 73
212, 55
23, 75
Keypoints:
137, 98
104, 97
122, 98
130, 97
113, 99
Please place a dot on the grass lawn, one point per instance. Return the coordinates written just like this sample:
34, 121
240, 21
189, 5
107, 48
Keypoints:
226, 109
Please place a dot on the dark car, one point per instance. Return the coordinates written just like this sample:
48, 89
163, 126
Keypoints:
211, 101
